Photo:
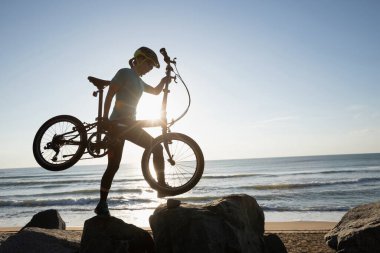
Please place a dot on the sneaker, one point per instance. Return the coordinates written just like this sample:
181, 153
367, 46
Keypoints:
102, 209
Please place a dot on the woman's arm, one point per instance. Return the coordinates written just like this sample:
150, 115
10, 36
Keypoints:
157, 90
113, 88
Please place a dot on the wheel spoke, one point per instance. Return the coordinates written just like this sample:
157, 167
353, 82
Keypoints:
67, 145
186, 170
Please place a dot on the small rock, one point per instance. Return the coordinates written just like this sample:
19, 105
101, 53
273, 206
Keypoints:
50, 219
273, 244
173, 203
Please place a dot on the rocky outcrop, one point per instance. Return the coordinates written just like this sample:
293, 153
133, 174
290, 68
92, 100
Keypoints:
358, 231
109, 234
232, 224
50, 219
40, 240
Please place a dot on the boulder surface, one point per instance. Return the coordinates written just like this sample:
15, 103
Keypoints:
110, 234
41, 240
358, 230
50, 219
231, 224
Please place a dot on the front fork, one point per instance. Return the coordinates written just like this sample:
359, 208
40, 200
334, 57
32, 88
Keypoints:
165, 131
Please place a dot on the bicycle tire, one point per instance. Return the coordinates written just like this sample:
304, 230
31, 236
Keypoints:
190, 175
44, 143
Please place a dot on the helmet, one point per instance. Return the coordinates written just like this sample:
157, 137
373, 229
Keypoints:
148, 54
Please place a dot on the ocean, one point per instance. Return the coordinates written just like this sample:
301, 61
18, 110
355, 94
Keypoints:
312, 188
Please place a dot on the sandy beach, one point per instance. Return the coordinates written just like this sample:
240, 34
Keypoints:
298, 237
302, 236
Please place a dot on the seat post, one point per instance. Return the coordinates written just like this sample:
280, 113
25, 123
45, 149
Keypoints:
100, 105
100, 114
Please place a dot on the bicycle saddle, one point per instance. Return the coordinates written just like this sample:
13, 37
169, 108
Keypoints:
99, 83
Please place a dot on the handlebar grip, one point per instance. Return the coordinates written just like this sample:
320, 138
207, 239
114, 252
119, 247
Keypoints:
165, 54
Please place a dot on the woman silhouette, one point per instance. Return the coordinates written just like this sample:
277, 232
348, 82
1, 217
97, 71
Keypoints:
128, 87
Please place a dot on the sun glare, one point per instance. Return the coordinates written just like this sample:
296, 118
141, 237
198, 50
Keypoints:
149, 107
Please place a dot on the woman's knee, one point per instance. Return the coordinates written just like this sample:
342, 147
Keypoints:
158, 150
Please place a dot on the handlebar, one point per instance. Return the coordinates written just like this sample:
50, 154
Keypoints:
168, 61
165, 54
166, 57
170, 69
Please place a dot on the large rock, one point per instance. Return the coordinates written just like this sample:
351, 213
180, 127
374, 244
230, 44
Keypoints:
40, 240
47, 219
232, 224
358, 231
110, 234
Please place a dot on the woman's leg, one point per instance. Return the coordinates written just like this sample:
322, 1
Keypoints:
114, 157
159, 164
141, 138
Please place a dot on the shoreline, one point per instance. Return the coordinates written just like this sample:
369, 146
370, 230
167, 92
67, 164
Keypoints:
271, 226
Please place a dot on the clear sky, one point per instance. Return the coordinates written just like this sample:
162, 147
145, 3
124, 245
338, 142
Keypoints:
267, 78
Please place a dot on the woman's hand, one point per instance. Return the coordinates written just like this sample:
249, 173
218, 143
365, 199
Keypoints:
157, 90
166, 79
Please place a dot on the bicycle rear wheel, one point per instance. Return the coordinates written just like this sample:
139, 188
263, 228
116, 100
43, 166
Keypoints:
59, 143
182, 171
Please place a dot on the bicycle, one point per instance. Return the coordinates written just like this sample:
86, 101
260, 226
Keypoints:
62, 140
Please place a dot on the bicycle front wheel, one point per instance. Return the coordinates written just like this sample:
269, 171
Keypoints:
59, 143
183, 169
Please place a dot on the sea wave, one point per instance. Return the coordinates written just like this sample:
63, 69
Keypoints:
48, 202
197, 198
222, 176
37, 181
67, 202
290, 173
82, 192
306, 209
328, 172
48, 183
310, 184
47, 176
